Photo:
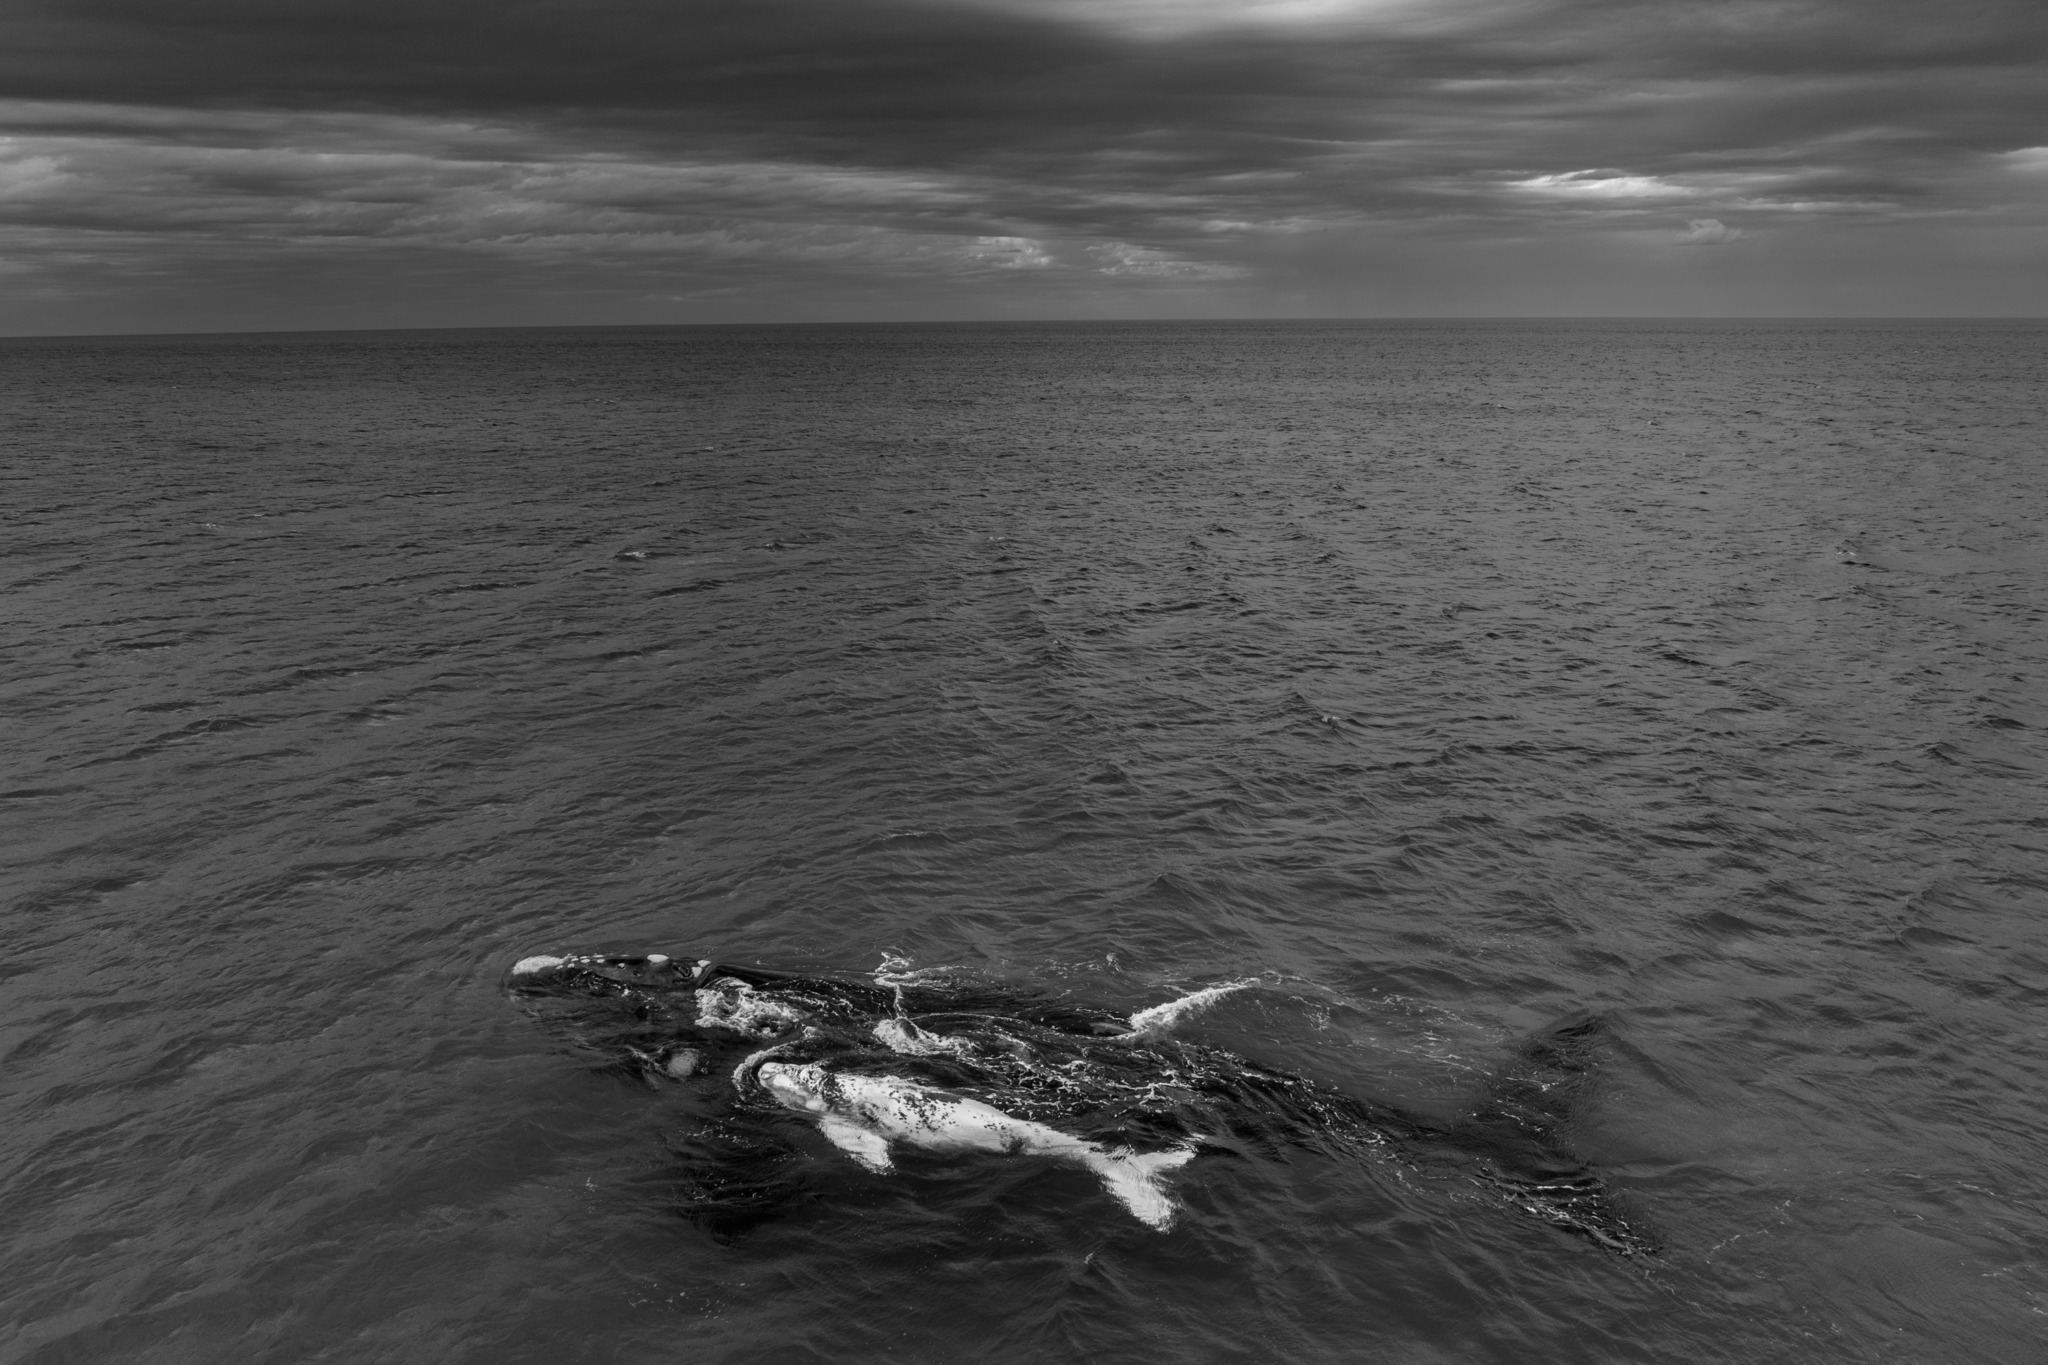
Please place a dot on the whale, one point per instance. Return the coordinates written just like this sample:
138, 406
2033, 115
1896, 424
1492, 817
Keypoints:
968, 1069
863, 1115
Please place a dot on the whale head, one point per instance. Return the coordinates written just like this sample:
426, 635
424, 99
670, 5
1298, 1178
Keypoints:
657, 971
795, 1086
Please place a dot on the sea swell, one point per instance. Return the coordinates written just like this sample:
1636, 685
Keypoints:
1454, 679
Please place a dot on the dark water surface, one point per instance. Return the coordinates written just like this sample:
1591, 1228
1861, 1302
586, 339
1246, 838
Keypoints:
1451, 679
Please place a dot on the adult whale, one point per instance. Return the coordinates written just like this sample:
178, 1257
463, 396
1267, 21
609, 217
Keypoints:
953, 1065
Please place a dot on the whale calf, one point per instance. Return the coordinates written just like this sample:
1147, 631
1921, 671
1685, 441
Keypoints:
862, 1115
958, 1065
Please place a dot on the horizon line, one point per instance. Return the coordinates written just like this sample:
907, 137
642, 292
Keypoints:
884, 324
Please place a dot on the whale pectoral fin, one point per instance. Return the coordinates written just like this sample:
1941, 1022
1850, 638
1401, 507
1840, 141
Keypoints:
869, 1149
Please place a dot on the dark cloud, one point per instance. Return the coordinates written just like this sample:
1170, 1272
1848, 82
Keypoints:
965, 156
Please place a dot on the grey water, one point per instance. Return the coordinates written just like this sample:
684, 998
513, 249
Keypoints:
1450, 679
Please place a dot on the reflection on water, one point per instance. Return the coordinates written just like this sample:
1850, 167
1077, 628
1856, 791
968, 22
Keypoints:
1452, 679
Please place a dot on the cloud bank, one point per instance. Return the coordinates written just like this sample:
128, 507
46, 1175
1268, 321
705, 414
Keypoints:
361, 162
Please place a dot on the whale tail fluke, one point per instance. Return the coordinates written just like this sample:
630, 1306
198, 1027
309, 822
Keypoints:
1134, 1178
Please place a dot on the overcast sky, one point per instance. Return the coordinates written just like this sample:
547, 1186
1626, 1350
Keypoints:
202, 164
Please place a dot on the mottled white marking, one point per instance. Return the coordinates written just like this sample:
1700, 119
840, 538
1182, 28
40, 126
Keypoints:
534, 966
870, 1149
862, 1115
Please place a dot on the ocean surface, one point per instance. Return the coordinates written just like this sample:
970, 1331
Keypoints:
1449, 679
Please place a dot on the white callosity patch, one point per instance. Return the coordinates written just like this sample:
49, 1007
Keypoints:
1162, 1019
739, 1008
862, 1115
534, 966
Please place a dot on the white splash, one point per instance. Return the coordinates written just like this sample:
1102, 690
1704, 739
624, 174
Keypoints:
895, 970
1161, 1020
734, 1005
900, 1035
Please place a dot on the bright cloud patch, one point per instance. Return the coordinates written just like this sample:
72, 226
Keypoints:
25, 175
1707, 232
1010, 253
1121, 258
1173, 18
1600, 185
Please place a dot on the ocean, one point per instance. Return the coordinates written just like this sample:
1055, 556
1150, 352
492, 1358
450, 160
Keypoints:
1447, 679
